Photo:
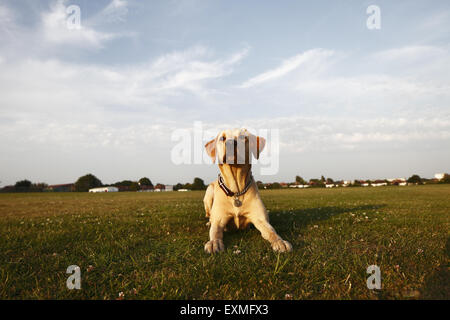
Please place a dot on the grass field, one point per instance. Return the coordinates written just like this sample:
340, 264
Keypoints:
150, 246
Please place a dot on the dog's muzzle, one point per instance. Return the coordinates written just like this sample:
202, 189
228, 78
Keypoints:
235, 153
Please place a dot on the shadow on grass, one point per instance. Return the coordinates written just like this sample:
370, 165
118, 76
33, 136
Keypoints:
437, 284
286, 221
293, 219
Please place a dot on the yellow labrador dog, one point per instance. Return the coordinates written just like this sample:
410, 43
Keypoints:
233, 199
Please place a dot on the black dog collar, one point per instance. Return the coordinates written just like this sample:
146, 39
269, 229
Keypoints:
230, 193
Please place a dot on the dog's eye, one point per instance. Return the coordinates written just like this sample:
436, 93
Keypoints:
222, 138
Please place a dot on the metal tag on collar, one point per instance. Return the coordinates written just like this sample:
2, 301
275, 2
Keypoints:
237, 202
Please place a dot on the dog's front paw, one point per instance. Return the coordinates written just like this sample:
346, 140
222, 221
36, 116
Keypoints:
214, 246
281, 246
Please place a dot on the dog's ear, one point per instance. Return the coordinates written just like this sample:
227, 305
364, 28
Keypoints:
210, 147
256, 145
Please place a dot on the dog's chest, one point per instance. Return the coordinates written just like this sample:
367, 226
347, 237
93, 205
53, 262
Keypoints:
239, 218
240, 210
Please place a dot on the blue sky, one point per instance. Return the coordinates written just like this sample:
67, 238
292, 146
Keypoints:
348, 102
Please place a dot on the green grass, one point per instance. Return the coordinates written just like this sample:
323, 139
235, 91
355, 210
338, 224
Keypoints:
150, 246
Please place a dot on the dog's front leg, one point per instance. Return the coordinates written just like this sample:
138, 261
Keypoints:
215, 243
261, 223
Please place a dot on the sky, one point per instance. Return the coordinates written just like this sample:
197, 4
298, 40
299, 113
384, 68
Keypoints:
106, 97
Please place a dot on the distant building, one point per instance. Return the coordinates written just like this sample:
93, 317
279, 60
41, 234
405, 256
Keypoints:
68, 187
379, 183
123, 188
364, 183
329, 185
168, 187
104, 189
300, 186
144, 188
398, 182
183, 190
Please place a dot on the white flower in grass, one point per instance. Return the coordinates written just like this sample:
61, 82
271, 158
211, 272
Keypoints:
288, 296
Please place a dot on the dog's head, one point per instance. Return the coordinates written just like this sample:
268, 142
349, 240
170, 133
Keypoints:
235, 146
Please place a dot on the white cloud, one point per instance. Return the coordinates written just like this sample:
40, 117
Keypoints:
104, 111
436, 22
115, 11
156, 89
188, 73
52, 33
6, 16
8, 26
326, 134
289, 65
409, 54
56, 31
323, 101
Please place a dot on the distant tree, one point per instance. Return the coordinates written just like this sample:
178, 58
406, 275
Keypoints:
134, 186
446, 178
429, 181
198, 184
87, 182
124, 183
322, 178
274, 185
178, 186
160, 186
330, 181
316, 183
27, 186
260, 184
145, 182
39, 187
299, 180
356, 183
415, 179
23, 184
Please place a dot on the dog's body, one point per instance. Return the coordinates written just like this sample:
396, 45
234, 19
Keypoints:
235, 209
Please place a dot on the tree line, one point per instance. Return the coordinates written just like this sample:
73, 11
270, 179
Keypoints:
89, 181
322, 182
